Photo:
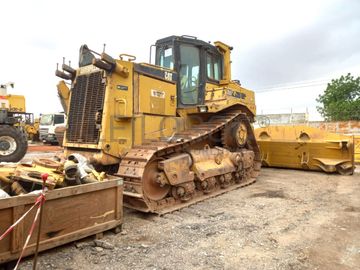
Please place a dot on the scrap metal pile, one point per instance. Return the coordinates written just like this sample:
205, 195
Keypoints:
25, 177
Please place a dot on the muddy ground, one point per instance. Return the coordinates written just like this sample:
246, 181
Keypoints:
288, 219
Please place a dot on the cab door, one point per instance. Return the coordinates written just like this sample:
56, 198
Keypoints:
190, 82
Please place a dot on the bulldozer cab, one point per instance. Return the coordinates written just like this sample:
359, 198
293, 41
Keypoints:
196, 63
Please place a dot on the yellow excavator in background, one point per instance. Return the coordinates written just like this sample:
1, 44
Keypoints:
13, 139
177, 132
32, 129
64, 96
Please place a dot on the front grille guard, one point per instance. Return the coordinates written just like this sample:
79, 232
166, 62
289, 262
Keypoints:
87, 99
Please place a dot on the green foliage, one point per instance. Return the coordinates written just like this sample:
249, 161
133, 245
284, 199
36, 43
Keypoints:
341, 99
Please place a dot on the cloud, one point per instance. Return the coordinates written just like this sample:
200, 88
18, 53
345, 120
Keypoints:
43, 44
325, 47
274, 41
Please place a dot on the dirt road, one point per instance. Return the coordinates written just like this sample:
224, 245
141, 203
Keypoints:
287, 220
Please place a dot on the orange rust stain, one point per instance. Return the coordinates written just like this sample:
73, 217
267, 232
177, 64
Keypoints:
44, 148
345, 127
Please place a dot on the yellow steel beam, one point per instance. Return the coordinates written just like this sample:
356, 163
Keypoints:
303, 147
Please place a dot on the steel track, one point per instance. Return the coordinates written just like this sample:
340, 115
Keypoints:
133, 165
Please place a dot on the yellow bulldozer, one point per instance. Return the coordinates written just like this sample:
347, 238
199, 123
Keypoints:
177, 132
13, 138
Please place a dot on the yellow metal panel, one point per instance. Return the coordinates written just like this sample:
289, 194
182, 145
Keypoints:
357, 148
213, 92
15, 103
64, 94
116, 126
119, 93
116, 134
304, 147
152, 127
225, 50
218, 98
156, 96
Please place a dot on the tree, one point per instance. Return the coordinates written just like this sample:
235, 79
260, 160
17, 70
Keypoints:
341, 99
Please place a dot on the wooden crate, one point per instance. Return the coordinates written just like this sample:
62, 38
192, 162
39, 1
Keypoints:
69, 214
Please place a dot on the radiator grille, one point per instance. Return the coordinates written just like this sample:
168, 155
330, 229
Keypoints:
87, 98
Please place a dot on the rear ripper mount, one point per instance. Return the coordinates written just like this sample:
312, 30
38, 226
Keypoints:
164, 176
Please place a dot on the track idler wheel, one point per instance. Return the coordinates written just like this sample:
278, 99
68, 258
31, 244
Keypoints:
152, 188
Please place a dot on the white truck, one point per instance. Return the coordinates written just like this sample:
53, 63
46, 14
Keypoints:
48, 123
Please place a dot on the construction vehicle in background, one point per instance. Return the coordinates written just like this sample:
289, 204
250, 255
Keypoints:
64, 95
30, 126
177, 132
32, 129
13, 139
48, 124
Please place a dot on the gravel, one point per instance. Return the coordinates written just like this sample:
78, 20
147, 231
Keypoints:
287, 220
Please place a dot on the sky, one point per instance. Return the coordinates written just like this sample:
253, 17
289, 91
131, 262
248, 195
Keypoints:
286, 51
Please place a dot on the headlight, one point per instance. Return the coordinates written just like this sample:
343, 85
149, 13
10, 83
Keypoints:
203, 109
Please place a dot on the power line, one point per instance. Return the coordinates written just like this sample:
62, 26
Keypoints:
288, 88
295, 85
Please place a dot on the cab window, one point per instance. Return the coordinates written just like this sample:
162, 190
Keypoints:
189, 74
59, 119
165, 57
213, 67
46, 119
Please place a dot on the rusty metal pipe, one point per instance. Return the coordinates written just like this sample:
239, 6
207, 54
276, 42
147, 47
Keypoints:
108, 59
69, 69
63, 75
116, 67
102, 65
